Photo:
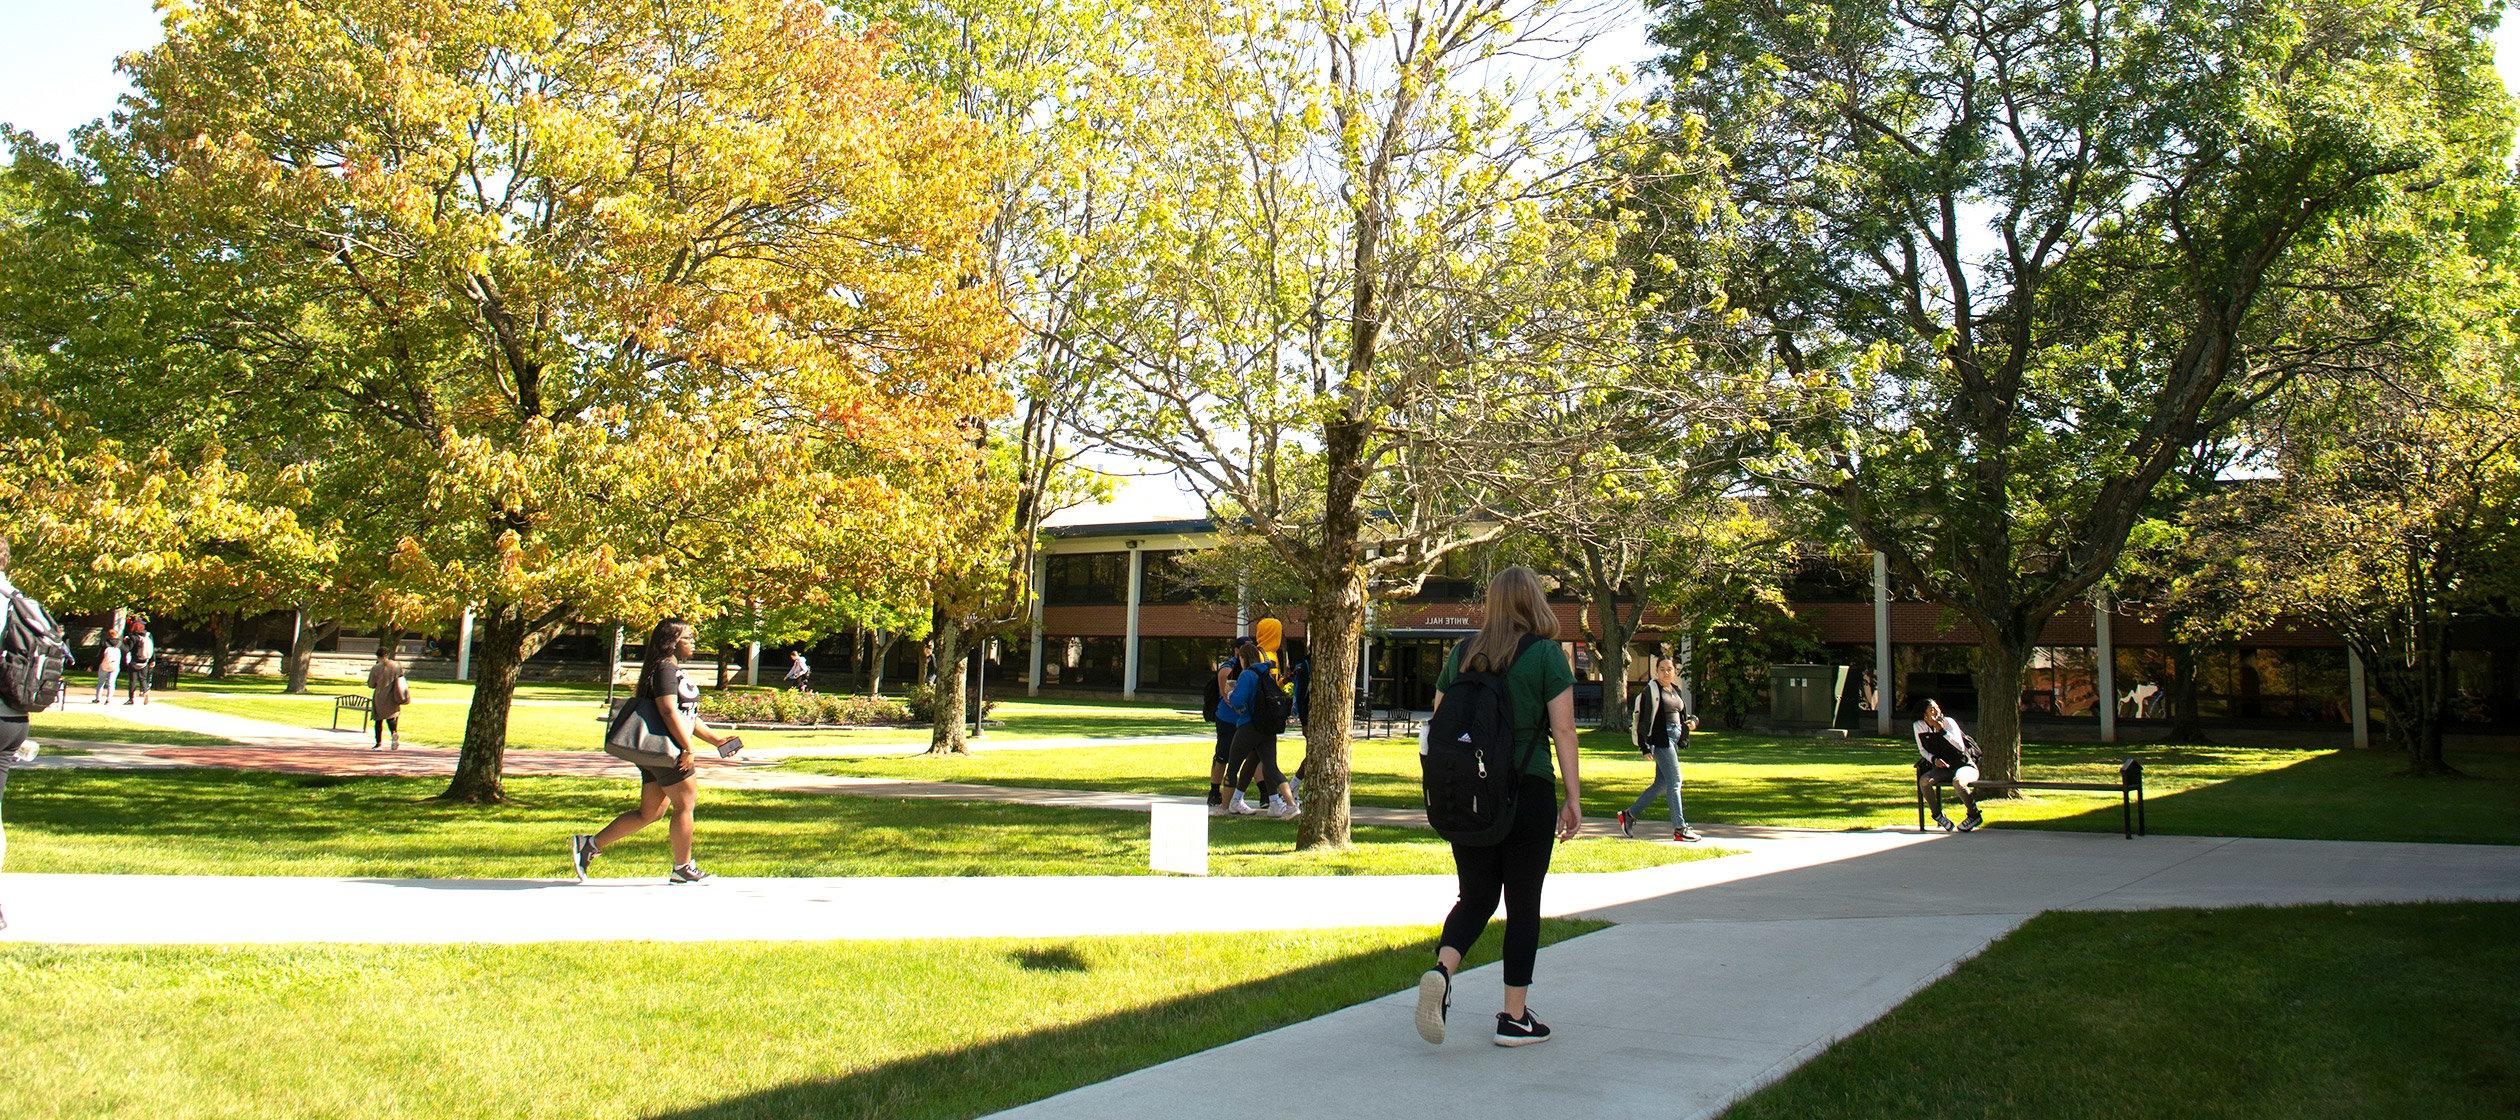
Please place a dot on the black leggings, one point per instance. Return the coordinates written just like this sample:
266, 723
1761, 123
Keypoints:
1514, 867
1255, 752
394, 722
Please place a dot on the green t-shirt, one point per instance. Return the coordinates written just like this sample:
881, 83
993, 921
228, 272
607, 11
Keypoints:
1536, 678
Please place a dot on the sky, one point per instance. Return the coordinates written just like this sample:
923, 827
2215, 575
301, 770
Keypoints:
57, 72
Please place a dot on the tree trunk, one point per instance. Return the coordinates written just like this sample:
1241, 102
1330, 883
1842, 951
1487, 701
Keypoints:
222, 645
301, 663
2187, 725
1610, 646
2001, 665
946, 732
501, 643
883, 643
1334, 626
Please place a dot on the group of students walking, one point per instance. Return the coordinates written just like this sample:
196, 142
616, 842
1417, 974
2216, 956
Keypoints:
130, 656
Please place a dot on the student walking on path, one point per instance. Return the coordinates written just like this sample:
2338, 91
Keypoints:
108, 663
139, 651
677, 701
1257, 709
1220, 763
388, 690
1945, 753
1660, 727
1540, 688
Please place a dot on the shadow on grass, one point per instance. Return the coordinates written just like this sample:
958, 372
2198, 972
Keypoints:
985, 1077
2324, 795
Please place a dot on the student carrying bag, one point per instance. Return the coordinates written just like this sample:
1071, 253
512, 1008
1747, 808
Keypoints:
637, 735
1469, 763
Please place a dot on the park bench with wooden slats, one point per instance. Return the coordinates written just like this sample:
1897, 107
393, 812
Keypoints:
2129, 788
363, 705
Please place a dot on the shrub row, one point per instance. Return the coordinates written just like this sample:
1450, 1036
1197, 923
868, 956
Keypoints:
790, 706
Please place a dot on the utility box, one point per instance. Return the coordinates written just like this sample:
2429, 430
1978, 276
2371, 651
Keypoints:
1805, 695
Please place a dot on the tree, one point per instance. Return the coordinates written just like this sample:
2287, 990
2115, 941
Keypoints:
598, 298
2394, 519
1370, 268
2013, 261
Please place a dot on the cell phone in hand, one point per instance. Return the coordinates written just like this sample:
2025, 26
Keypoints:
732, 744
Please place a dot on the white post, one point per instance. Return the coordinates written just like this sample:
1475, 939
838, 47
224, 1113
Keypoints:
2360, 699
612, 668
1883, 693
1688, 690
2107, 668
1242, 606
1129, 656
752, 662
1041, 568
463, 648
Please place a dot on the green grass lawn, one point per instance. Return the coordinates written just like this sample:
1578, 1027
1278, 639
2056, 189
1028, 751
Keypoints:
219, 822
2262, 1014
906, 1030
574, 726
1738, 778
86, 725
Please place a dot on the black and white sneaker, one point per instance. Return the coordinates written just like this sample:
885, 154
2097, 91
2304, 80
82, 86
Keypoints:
1520, 1032
582, 854
1434, 1004
689, 873
1971, 822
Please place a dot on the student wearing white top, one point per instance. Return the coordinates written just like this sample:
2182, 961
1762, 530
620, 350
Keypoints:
1943, 754
108, 663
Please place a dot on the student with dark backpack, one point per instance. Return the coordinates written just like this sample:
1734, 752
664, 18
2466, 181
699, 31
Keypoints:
1258, 707
32, 657
1490, 791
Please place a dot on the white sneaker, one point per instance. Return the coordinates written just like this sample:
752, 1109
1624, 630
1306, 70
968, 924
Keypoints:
1281, 808
1241, 808
1217, 809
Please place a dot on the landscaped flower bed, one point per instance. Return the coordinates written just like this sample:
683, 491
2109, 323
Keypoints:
803, 709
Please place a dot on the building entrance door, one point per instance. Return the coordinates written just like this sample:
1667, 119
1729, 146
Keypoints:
1406, 666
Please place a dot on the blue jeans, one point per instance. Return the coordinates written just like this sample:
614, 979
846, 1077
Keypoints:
1666, 781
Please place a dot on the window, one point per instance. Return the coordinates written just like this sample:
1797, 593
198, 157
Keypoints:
1086, 578
1171, 578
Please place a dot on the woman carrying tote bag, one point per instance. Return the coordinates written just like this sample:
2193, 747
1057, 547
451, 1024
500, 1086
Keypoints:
661, 720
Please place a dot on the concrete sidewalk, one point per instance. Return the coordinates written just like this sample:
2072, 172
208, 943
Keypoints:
1700, 996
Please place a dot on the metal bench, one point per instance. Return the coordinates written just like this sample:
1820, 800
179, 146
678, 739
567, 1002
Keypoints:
360, 704
2129, 788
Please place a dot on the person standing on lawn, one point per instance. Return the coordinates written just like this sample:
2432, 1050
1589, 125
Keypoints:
139, 660
1256, 707
388, 690
1945, 753
108, 663
1220, 762
677, 701
1659, 727
1540, 687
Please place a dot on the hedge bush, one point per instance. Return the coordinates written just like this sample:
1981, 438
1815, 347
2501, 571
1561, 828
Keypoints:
922, 701
810, 708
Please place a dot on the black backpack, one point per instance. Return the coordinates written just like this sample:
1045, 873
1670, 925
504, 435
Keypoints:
1470, 765
1211, 698
1269, 705
32, 656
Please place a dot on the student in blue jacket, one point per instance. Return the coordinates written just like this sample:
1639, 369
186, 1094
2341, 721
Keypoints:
1256, 708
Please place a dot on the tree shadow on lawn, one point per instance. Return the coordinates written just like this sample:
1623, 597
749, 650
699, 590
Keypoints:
985, 1077
2320, 795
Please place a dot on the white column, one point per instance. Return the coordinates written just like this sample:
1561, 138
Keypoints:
612, 668
1688, 691
2360, 699
1883, 693
1129, 658
1242, 606
463, 648
2107, 668
1040, 572
752, 662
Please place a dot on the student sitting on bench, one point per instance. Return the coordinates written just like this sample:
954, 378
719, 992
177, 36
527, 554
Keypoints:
1944, 753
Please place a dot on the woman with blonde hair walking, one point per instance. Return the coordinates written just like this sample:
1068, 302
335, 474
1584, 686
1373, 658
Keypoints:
1517, 642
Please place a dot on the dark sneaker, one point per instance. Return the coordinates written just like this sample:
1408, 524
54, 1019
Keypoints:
1685, 835
582, 854
1627, 825
1970, 823
1434, 1005
1520, 1032
689, 873
1942, 822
